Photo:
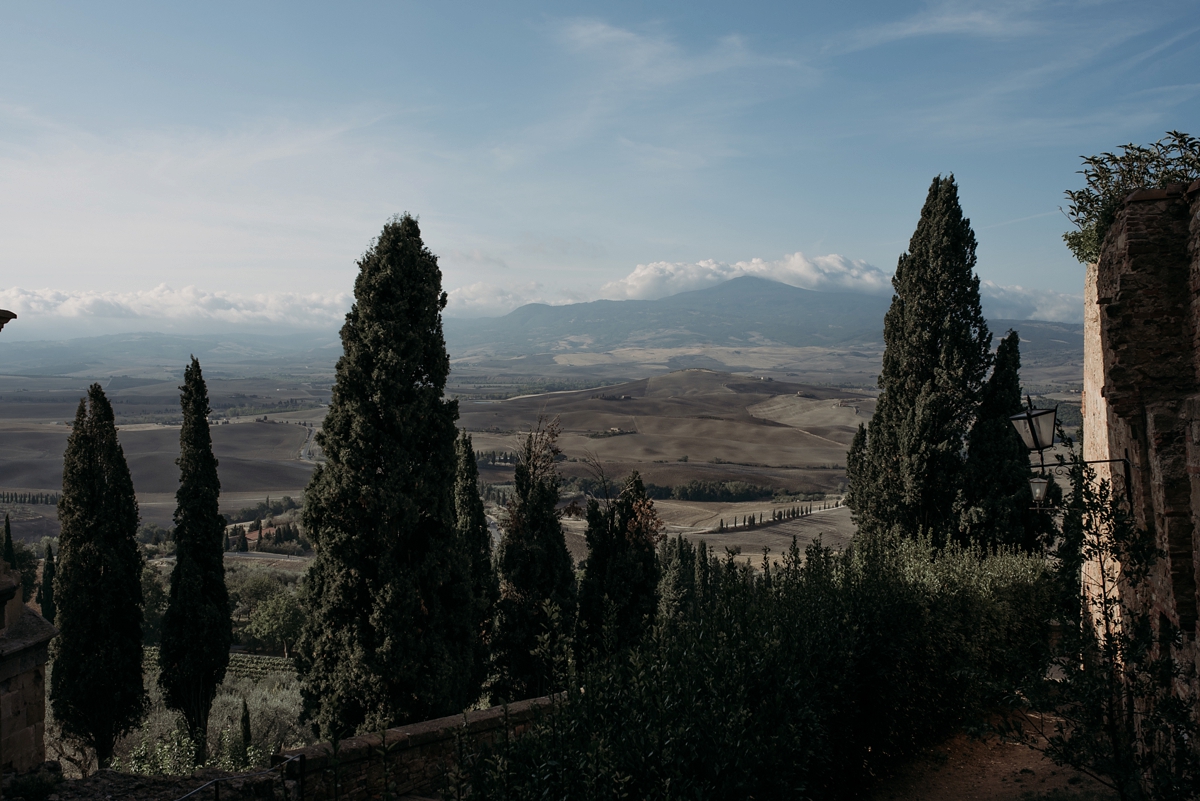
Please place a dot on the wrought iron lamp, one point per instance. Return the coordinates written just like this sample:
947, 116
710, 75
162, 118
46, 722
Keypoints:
1036, 427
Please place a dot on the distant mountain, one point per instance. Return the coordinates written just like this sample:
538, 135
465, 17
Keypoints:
741, 312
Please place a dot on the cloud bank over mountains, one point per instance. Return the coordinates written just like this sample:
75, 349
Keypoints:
55, 314
831, 273
51, 313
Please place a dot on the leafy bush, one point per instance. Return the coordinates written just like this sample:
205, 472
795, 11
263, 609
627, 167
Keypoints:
1110, 177
1125, 708
800, 681
271, 691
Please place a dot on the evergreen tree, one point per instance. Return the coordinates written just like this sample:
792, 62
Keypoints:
476, 539
196, 629
997, 503
45, 593
618, 592
10, 555
96, 688
387, 599
906, 472
536, 573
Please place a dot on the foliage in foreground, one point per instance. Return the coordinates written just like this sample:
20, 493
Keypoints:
265, 687
797, 682
1126, 709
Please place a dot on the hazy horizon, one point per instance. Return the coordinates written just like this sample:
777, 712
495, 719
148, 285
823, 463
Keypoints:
191, 165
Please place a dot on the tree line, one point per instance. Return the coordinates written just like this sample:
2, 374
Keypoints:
49, 498
721, 491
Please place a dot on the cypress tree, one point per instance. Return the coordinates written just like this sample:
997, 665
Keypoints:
10, 554
96, 688
475, 537
387, 634
618, 591
536, 570
905, 474
246, 736
45, 593
196, 628
997, 503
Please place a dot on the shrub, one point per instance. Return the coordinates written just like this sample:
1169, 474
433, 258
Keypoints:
800, 681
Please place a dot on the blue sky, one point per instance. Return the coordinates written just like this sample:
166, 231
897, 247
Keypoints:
222, 165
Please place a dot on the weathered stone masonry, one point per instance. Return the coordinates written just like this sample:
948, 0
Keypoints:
1142, 382
24, 637
415, 759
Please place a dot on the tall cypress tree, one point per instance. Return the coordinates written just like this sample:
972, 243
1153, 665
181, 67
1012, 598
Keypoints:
536, 570
45, 593
196, 628
476, 538
387, 635
96, 686
618, 592
906, 473
10, 553
997, 503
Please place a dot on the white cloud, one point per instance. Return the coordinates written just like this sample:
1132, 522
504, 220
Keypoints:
952, 18
482, 299
832, 273
1019, 303
163, 307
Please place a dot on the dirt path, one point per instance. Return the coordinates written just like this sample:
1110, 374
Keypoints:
966, 769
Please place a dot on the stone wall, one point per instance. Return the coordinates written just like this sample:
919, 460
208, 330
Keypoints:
414, 758
1142, 382
24, 639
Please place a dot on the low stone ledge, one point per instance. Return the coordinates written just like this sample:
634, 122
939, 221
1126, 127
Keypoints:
417, 755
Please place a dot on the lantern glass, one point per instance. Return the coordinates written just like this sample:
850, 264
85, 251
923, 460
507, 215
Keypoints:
1036, 427
1038, 485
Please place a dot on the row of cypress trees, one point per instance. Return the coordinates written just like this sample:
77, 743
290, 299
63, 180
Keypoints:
407, 615
939, 457
96, 688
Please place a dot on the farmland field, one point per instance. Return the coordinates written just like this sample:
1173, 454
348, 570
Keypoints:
270, 423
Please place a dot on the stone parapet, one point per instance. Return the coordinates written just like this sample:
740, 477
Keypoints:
414, 758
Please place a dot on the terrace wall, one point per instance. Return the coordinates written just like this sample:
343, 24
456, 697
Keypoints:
414, 758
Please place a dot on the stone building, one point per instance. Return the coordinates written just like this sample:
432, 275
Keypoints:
1142, 384
24, 639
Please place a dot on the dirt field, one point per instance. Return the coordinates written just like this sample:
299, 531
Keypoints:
256, 459
690, 424
698, 521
